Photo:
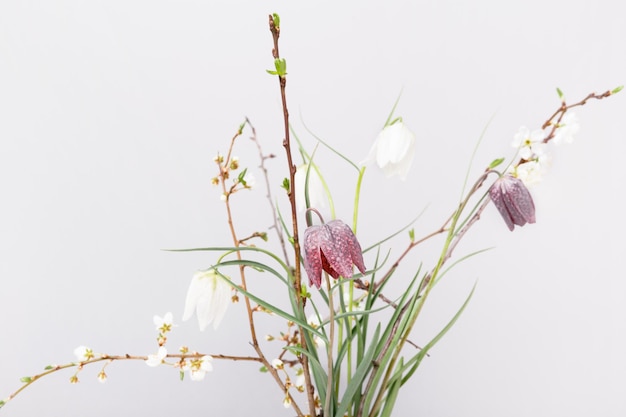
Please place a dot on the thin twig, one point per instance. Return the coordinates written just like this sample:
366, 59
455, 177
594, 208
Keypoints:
276, 225
297, 282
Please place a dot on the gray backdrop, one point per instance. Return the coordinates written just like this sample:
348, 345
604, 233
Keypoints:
111, 113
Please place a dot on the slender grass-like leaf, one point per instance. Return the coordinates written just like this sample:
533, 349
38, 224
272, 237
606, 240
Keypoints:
473, 156
317, 370
396, 233
273, 308
252, 264
339, 154
414, 362
464, 258
359, 375
391, 338
392, 393
236, 249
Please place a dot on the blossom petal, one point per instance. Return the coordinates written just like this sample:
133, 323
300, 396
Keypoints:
513, 201
520, 203
208, 295
348, 245
393, 150
496, 196
333, 248
312, 256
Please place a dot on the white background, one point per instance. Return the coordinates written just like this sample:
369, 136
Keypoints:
112, 111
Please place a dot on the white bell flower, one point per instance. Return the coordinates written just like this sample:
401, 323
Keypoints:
208, 295
393, 150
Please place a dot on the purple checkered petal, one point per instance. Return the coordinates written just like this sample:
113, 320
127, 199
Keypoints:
332, 248
513, 201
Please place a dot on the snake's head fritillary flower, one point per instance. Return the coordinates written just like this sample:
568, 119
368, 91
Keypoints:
513, 201
393, 150
208, 295
331, 247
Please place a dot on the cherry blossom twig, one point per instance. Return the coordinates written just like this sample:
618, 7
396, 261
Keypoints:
223, 176
29, 380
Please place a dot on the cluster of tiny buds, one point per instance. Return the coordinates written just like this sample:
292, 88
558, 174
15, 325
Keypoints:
244, 180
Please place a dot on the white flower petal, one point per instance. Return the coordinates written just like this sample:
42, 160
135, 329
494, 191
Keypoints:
208, 295
194, 293
157, 359
393, 150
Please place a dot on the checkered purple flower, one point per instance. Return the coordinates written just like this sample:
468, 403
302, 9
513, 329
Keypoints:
513, 201
331, 247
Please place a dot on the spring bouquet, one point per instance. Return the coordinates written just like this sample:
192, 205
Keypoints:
343, 339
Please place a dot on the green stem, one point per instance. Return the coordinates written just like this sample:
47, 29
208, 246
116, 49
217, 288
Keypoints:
329, 348
357, 196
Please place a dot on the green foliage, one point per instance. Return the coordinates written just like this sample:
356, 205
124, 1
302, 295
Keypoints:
495, 163
281, 67
276, 19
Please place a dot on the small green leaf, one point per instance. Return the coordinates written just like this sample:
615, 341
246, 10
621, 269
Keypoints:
617, 89
47, 368
304, 292
412, 235
276, 20
263, 369
285, 184
281, 66
241, 178
181, 375
396, 120
26, 379
495, 163
559, 92
2, 403
271, 72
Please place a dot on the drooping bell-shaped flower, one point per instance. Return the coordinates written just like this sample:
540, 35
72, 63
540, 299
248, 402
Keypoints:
393, 150
208, 296
331, 247
513, 201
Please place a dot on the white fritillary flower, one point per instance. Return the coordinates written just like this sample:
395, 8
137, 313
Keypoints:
393, 150
208, 295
